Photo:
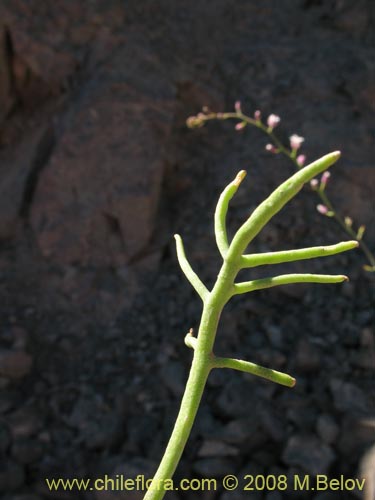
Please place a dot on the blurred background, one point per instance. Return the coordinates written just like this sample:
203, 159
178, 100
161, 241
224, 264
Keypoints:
98, 170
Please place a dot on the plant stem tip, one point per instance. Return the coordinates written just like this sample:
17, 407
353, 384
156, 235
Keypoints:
239, 177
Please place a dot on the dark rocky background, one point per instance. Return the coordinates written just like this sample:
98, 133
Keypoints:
98, 170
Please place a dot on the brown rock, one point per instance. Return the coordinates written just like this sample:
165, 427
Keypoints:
23, 423
6, 94
20, 336
364, 359
7, 400
357, 434
12, 475
129, 470
215, 448
327, 428
16, 167
309, 453
307, 357
15, 364
5, 438
212, 467
26, 496
245, 433
367, 338
40, 41
96, 200
348, 397
240, 495
26, 451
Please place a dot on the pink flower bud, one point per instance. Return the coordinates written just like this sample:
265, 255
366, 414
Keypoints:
324, 179
314, 183
296, 141
240, 126
257, 115
273, 121
237, 107
271, 148
322, 209
301, 159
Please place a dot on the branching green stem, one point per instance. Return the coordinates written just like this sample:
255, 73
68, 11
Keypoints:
204, 359
262, 259
259, 371
285, 279
187, 269
244, 366
221, 213
275, 202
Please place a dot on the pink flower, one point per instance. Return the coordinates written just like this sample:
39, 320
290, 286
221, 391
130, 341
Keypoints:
296, 141
301, 159
314, 183
273, 121
257, 115
240, 126
324, 179
271, 148
237, 107
322, 209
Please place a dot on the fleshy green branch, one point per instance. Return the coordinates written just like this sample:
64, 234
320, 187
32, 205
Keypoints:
262, 259
187, 269
190, 340
214, 301
275, 202
221, 213
259, 371
286, 279
244, 366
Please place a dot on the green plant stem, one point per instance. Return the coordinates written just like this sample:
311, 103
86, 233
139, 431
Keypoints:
267, 258
252, 368
221, 213
188, 270
200, 369
214, 301
275, 202
286, 279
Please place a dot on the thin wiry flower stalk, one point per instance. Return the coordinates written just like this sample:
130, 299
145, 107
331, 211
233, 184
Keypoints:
275, 146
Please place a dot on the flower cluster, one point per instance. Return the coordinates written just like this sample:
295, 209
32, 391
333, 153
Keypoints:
291, 151
295, 142
319, 186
